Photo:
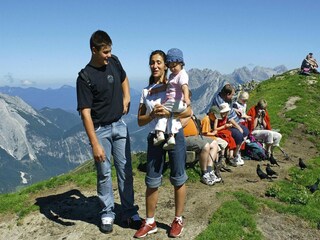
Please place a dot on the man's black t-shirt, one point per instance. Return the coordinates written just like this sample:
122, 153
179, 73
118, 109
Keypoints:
104, 97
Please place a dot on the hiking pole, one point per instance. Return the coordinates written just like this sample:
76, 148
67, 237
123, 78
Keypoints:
286, 156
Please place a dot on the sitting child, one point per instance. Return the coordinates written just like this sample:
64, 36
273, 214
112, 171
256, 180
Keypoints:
208, 129
221, 125
240, 107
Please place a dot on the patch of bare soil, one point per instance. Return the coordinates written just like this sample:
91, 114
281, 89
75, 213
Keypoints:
69, 213
278, 226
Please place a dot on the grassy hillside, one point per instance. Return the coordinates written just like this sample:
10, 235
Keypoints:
304, 91
235, 218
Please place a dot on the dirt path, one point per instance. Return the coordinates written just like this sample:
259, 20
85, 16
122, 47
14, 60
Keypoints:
71, 214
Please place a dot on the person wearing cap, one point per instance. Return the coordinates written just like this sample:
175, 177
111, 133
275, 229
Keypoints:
239, 131
222, 126
207, 129
148, 113
177, 99
206, 148
240, 106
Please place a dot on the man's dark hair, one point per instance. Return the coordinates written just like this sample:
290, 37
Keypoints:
100, 39
227, 89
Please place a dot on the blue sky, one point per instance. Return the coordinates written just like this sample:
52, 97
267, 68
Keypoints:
45, 43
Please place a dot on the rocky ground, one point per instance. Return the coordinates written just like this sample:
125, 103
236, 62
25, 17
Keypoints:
71, 213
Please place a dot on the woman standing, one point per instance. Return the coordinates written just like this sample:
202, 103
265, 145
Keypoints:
149, 109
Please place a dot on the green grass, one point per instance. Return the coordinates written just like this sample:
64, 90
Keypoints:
277, 91
235, 218
84, 176
21, 202
295, 195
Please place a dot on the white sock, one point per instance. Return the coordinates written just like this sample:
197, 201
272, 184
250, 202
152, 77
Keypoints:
179, 218
150, 220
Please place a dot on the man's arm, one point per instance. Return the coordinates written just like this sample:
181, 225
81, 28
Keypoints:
97, 150
126, 95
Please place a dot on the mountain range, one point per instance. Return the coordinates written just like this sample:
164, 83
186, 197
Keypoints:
42, 135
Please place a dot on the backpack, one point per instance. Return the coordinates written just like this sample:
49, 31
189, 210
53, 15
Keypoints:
254, 150
197, 122
85, 76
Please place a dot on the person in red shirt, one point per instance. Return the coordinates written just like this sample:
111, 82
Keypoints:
260, 127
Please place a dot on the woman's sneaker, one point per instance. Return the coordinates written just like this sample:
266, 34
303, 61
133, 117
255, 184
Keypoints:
176, 228
206, 179
146, 229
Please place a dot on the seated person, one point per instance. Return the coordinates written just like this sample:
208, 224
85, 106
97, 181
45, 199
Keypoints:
309, 65
260, 127
239, 131
207, 149
207, 129
240, 107
313, 63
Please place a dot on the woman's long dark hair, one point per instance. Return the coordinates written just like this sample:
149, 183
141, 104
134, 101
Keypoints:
164, 56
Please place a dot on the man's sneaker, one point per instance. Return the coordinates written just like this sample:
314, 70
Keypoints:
158, 139
206, 179
106, 225
232, 162
214, 177
134, 222
170, 143
146, 229
176, 228
239, 160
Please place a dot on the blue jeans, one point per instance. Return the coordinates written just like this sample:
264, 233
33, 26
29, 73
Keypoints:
115, 140
156, 157
237, 135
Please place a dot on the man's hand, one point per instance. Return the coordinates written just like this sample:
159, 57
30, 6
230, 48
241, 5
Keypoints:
126, 107
98, 153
